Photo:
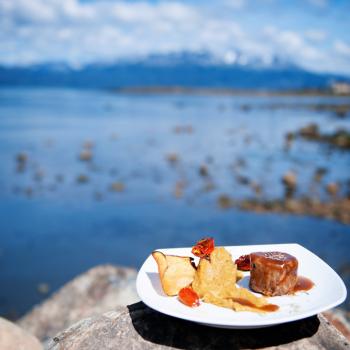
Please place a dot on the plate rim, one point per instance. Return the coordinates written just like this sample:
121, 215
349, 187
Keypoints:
246, 324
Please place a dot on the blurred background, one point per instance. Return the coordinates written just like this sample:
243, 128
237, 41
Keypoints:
127, 126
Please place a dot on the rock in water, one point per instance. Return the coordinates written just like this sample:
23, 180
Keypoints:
94, 292
225, 202
117, 187
81, 179
332, 189
85, 155
310, 131
22, 157
140, 328
13, 337
289, 181
43, 288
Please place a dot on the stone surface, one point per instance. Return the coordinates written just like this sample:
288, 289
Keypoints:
13, 337
96, 291
139, 327
340, 319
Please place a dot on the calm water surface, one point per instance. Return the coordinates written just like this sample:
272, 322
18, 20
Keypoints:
53, 227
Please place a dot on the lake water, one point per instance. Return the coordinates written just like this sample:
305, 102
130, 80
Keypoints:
53, 227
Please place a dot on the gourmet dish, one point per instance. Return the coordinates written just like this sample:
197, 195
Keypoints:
214, 278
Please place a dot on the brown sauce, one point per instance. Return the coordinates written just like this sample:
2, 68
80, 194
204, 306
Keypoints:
303, 284
266, 308
274, 257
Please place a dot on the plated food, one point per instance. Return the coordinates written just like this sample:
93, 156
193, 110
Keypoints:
213, 279
328, 291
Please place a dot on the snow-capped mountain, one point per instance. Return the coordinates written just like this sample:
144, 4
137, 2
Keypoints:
201, 69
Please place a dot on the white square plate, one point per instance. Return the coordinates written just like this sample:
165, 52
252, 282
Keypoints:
328, 292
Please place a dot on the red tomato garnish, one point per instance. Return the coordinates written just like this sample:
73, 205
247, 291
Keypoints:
189, 297
243, 263
203, 247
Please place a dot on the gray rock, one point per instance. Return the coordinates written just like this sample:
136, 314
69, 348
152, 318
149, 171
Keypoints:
13, 337
340, 319
94, 292
139, 327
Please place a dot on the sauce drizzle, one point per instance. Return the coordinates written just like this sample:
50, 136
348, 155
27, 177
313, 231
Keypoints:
303, 284
266, 308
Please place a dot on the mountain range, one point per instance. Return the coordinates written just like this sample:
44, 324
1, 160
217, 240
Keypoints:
189, 70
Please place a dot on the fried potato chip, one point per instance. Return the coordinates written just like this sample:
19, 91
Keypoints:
216, 275
175, 272
215, 283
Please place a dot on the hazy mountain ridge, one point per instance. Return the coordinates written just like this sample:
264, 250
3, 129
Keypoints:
178, 69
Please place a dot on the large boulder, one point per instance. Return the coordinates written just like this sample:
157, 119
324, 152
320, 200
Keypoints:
13, 337
140, 328
96, 291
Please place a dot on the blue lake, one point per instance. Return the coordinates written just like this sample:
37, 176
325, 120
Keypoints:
53, 227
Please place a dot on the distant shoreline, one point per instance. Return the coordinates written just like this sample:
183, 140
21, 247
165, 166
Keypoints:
179, 90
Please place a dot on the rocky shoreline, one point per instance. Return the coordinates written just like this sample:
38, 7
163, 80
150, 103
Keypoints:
91, 312
338, 209
338, 139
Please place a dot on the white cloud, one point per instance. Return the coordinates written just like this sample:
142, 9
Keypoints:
73, 9
290, 44
235, 4
342, 48
142, 12
105, 30
27, 11
316, 35
319, 3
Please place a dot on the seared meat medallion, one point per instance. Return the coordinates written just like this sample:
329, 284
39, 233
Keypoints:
273, 273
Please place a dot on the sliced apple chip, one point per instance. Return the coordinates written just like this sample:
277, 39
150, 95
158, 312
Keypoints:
175, 272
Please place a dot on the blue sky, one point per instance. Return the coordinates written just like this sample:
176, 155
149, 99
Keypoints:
314, 34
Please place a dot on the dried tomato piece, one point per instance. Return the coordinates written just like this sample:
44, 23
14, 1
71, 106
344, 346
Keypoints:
243, 263
188, 297
203, 247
